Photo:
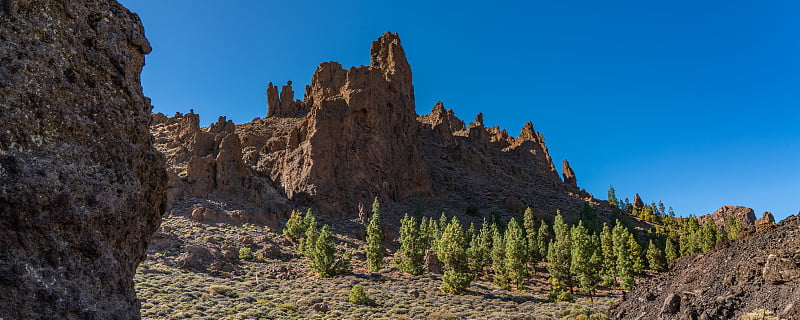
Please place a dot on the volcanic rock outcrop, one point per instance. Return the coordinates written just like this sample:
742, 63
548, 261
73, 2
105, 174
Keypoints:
209, 164
759, 274
746, 216
356, 136
81, 186
766, 219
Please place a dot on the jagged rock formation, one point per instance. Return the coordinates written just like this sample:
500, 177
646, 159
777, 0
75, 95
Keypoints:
81, 186
569, 176
761, 272
209, 163
745, 215
356, 135
638, 204
284, 104
766, 219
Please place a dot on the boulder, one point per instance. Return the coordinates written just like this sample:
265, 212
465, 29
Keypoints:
81, 185
746, 216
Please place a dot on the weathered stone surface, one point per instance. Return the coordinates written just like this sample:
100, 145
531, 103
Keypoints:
569, 176
742, 214
284, 105
766, 219
357, 138
81, 186
781, 269
671, 304
360, 138
210, 163
432, 263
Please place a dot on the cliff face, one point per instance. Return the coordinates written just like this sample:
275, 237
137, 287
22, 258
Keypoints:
359, 139
81, 186
356, 136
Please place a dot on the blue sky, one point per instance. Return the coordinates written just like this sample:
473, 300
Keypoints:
695, 103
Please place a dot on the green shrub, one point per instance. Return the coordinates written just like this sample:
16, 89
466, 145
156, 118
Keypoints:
245, 254
324, 257
295, 227
358, 295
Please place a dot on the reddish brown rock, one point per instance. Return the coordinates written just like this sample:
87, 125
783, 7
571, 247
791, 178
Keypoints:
744, 215
569, 177
81, 186
284, 105
360, 121
766, 219
360, 137
638, 204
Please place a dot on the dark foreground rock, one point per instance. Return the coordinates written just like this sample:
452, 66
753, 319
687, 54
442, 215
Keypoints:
81, 186
759, 275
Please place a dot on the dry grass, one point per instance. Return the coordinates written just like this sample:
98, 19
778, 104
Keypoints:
255, 291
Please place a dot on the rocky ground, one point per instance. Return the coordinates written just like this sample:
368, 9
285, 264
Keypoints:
193, 272
754, 277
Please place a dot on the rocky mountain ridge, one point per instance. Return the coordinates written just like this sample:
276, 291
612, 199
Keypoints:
356, 136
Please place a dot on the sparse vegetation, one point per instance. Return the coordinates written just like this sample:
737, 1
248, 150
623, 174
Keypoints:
325, 259
245, 254
221, 290
375, 249
411, 255
295, 227
358, 295
291, 289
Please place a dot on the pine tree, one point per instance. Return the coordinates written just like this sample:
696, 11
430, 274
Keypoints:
516, 256
531, 233
655, 257
612, 196
708, 236
589, 217
609, 266
559, 258
457, 276
543, 238
434, 232
375, 249
624, 256
671, 252
323, 256
424, 233
635, 249
443, 222
376, 206
733, 226
480, 249
495, 217
585, 259
722, 235
311, 234
471, 232
294, 227
411, 254
499, 259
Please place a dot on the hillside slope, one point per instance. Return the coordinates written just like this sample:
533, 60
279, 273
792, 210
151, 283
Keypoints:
757, 274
